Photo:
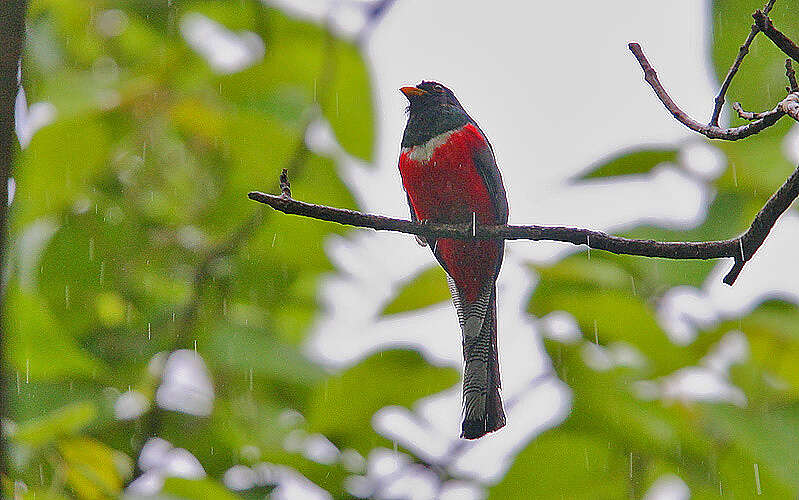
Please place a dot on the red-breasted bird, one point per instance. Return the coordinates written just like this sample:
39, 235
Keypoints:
450, 175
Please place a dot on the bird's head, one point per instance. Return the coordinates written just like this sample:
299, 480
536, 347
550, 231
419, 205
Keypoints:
429, 96
432, 109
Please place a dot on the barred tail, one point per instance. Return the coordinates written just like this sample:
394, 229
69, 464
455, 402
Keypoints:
482, 405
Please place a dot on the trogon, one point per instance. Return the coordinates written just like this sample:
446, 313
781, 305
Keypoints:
450, 175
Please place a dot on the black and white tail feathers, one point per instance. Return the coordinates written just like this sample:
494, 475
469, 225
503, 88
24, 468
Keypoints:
482, 405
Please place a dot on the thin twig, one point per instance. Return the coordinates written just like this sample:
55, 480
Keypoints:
784, 43
791, 74
374, 14
719, 101
740, 249
285, 185
788, 106
748, 115
710, 131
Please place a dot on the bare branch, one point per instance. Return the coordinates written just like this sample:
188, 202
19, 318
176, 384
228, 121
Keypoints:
710, 131
433, 230
719, 101
785, 44
740, 249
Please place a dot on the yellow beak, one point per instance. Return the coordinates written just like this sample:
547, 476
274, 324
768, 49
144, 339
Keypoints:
412, 92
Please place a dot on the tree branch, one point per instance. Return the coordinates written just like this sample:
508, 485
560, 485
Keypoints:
785, 44
741, 249
719, 101
12, 40
768, 119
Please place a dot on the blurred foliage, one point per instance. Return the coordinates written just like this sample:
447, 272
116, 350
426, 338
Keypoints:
132, 238
433, 283
631, 162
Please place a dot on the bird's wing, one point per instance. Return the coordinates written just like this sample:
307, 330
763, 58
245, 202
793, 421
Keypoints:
486, 165
419, 239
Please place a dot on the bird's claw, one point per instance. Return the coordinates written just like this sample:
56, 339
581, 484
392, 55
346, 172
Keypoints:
421, 240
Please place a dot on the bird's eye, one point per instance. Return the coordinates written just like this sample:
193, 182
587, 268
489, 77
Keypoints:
438, 88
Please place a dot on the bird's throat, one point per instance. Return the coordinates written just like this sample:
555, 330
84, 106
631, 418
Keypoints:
424, 152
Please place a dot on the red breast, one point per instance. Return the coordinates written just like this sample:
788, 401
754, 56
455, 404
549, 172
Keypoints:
442, 181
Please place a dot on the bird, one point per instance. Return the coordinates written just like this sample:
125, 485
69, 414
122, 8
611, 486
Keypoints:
450, 175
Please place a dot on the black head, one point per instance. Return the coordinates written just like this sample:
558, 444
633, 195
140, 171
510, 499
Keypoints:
433, 110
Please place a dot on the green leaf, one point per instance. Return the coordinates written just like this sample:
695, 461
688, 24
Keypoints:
342, 407
97, 246
271, 267
769, 439
92, 468
58, 166
65, 421
729, 213
333, 74
42, 494
630, 162
659, 437
604, 404
560, 464
348, 106
598, 293
255, 147
143, 173
425, 289
772, 332
78, 94
197, 489
35, 340
253, 351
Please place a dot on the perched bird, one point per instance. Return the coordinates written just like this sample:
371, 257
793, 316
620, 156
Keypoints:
450, 175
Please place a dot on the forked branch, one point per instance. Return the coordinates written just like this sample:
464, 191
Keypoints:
719, 101
784, 43
764, 121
